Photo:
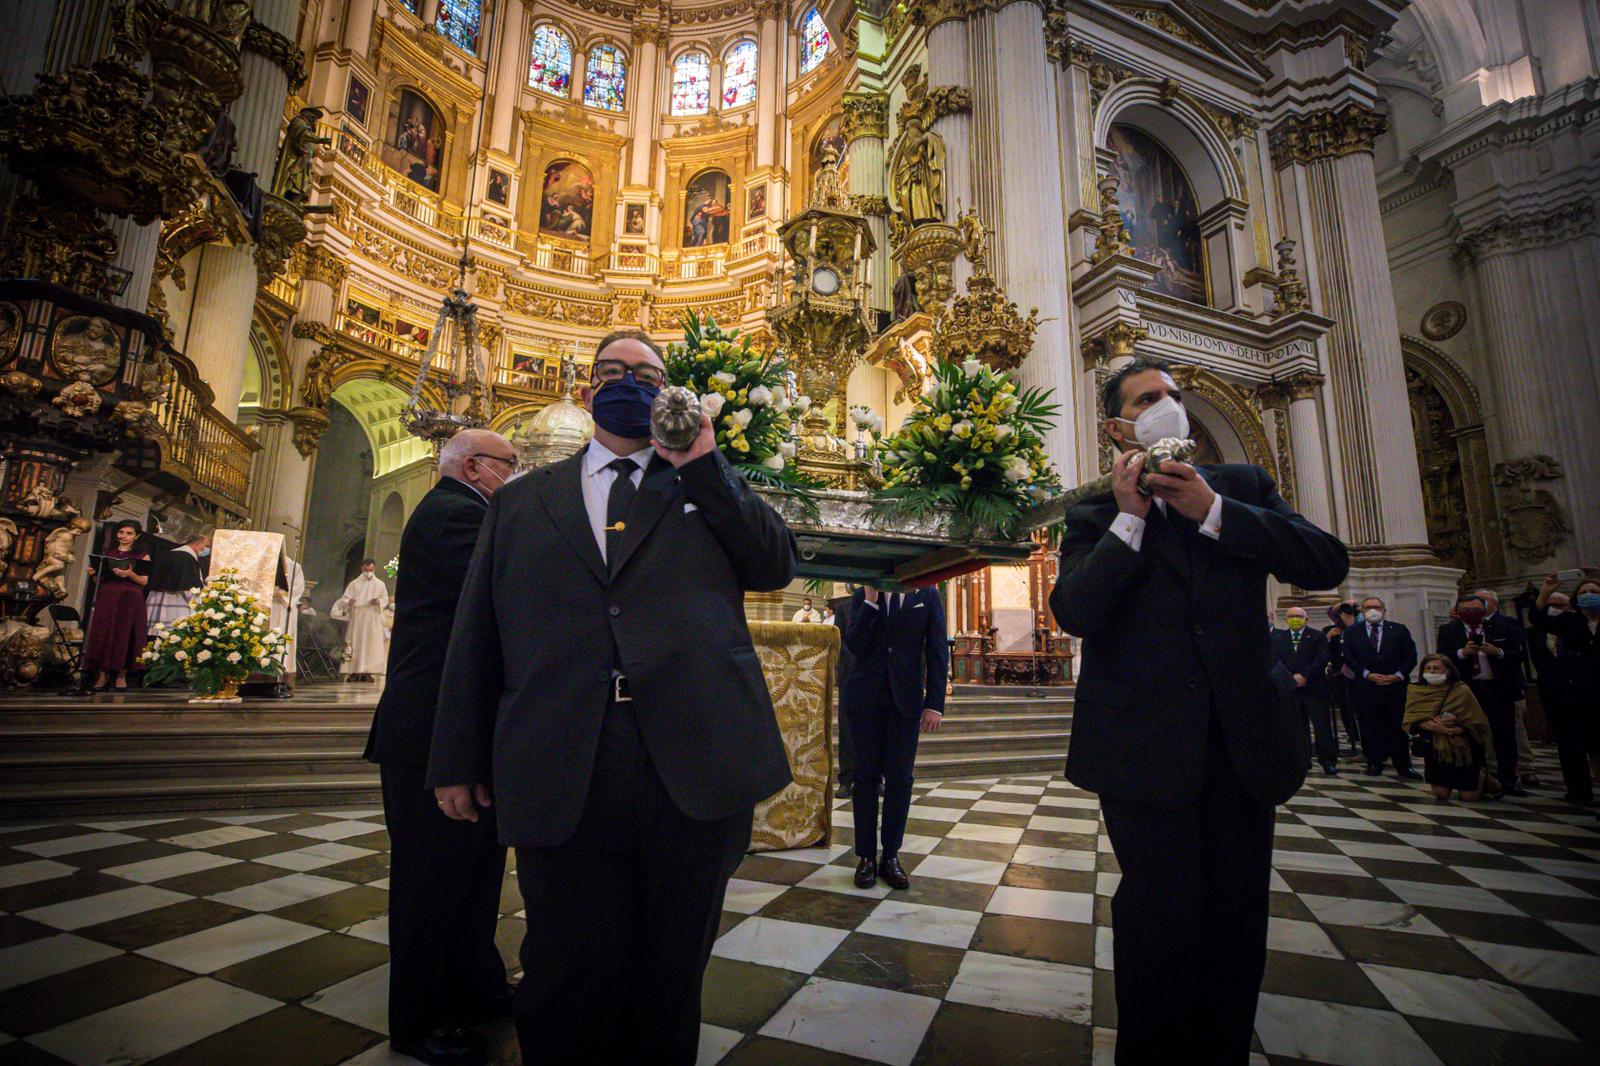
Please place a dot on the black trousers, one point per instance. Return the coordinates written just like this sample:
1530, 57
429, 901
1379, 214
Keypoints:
621, 917
886, 749
1501, 710
444, 904
1339, 698
1316, 710
847, 744
1189, 920
1563, 712
1381, 709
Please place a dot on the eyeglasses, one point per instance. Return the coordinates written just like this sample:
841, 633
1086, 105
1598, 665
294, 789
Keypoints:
612, 371
508, 460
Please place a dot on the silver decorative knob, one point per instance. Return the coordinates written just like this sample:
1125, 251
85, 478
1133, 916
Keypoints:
675, 417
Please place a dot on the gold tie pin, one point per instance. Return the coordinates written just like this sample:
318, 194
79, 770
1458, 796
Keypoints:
618, 528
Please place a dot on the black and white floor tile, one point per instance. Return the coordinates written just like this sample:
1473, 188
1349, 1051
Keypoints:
1403, 931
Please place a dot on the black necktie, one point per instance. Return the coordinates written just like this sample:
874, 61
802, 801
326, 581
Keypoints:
618, 504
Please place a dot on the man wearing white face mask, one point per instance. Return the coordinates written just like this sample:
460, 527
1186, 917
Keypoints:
1382, 655
1178, 724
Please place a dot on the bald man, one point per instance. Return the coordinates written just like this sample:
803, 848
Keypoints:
445, 972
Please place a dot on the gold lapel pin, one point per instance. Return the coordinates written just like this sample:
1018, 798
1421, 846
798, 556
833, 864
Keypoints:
618, 528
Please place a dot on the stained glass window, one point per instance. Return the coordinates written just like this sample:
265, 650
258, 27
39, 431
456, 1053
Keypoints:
606, 79
550, 63
739, 74
814, 41
691, 84
459, 21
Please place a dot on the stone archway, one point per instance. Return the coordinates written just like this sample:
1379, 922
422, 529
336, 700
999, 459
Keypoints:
1453, 460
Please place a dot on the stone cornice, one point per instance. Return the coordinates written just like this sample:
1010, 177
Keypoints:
1325, 134
279, 49
1513, 232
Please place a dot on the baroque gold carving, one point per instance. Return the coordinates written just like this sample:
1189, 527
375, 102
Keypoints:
1325, 134
557, 308
310, 423
981, 323
282, 229
865, 115
1112, 344
875, 204
917, 157
280, 50
1291, 291
321, 264
929, 252
1114, 238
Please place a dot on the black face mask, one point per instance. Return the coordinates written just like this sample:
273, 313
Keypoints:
623, 407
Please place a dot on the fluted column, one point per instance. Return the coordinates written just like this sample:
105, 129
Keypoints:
219, 334
358, 25
866, 122
1030, 246
1535, 276
642, 105
768, 86
511, 73
430, 12
258, 112
949, 63
136, 253
1382, 487
1307, 447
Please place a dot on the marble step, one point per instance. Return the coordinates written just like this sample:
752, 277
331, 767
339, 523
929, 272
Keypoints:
139, 795
993, 764
50, 768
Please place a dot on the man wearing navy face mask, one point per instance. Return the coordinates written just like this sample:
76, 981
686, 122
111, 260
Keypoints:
601, 691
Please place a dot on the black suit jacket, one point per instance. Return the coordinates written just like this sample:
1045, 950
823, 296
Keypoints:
1172, 635
908, 655
434, 551
542, 622
1505, 634
1396, 652
1311, 661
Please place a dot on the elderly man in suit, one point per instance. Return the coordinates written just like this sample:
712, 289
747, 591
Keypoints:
1382, 655
1178, 724
444, 876
895, 690
1488, 652
602, 693
1303, 651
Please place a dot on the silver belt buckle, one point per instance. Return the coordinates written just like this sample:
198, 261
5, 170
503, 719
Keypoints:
617, 695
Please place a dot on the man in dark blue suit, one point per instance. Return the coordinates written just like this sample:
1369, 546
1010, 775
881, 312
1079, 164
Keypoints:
1382, 654
895, 689
1304, 653
1488, 651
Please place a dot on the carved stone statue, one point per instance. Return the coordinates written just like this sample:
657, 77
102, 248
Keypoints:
291, 179
51, 571
86, 348
917, 158
8, 537
41, 502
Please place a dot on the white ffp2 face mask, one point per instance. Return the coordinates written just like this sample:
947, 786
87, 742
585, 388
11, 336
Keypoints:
1164, 418
1373, 615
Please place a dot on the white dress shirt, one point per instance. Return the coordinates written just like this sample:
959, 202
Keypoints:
598, 479
1485, 666
1129, 528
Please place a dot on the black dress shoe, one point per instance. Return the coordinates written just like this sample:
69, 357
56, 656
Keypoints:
1408, 774
1331, 769
893, 874
867, 872
1373, 770
1515, 790
445, 1046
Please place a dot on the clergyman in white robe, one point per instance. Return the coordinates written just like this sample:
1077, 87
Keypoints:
285, 619
366, 651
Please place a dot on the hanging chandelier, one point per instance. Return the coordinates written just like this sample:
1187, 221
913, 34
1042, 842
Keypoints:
466, 388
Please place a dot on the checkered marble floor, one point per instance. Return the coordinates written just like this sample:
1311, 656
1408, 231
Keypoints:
1403, 931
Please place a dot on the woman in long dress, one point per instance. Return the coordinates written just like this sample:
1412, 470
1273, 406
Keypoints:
1444, 710
117, 632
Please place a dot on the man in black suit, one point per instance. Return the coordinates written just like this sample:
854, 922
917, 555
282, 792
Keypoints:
1178, 724
1304, 653
602, 690
1488, 652
1526, 778
840, 605
896, 688
444, 877
1382, 655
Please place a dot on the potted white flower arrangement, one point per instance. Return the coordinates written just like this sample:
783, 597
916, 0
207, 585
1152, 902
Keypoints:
225, 637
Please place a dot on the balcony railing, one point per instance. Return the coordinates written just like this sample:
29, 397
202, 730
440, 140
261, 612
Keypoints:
634, 260
562, 259
201, 446
398, 192
757, 244
700, 267
382, 339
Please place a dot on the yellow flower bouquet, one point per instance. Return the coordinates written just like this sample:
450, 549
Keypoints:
225, 637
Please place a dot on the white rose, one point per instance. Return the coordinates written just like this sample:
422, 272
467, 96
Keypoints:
760, 396
781, 402
180, 655
743, 416
206, 641
711, 404
787, 449
774, 463
1001, 432
234, 656
971, 367
264, 661
722, 377
1016, 468
803, 404
1009, 406
203, 656
214, 632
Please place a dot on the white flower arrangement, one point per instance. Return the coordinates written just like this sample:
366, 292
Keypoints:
210, 655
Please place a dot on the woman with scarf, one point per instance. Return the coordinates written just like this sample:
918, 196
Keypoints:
1444, 711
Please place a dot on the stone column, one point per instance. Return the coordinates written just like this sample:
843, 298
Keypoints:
430, 13
1382, 487
1535, 276
642, 125
136, 253
1306, 446
1029, 220
358, 26
768, 87
866, 122
511, 74
949, 63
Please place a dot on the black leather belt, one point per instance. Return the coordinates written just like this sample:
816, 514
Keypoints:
619, 690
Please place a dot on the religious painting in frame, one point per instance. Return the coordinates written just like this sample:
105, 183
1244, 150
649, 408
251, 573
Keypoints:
357, 97
1158, 205
499, 190
706, 209
566, 201
414, 144
755, 203
633, 220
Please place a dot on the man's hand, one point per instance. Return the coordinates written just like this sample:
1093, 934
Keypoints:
373, 602
704, 444
456, 801
930, 720
1491, 651
1125, 484
1300, 680
1184, 490
872, 594
1383, 679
